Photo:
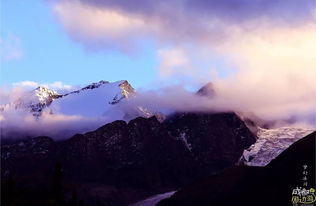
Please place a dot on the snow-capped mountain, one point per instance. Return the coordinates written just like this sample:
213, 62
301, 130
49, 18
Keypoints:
81, 110
96, 99
89, 100
270, 143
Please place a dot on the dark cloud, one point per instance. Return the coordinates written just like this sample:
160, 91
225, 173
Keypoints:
103, 23
237, 11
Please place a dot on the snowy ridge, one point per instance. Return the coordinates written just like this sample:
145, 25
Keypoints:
270, 143
122, 88
93, 100
90, 86
153, 200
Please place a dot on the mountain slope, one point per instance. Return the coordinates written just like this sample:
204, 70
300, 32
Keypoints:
270, 185
143, 155
214, 147
93, 100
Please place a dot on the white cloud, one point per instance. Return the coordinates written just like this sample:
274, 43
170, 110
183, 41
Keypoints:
99, 28
172, 61
58, 85
18, 123
10, 48
26, 84
273, 71
276, 70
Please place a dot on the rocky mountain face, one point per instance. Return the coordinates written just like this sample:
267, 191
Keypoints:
144, 155
270, 185
205, 142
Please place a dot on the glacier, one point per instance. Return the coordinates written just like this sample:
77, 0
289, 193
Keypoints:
270, 143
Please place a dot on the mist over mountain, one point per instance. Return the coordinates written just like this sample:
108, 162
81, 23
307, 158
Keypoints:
43, 111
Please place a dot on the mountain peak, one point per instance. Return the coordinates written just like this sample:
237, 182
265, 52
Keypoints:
44, 94
127, 89
207, 90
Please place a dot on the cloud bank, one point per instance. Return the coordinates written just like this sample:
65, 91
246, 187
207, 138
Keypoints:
121, 24
58, 85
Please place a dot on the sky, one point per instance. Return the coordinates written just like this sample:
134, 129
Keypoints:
35, 48
260, 55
